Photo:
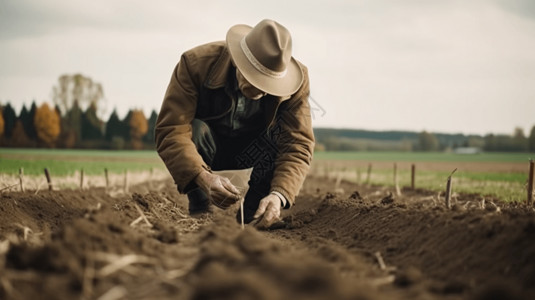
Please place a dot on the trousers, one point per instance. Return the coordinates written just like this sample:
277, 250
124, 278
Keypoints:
258, 151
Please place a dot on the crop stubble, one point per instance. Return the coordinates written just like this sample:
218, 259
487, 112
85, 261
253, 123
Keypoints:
358, 243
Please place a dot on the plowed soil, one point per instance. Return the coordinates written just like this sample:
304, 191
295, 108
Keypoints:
348, 242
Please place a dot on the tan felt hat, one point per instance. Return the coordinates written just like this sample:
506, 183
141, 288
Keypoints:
263, 54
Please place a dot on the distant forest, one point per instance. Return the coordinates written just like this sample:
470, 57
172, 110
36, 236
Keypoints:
74, 122
45, 126
365, 140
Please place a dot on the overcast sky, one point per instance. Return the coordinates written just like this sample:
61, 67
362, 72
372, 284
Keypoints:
442, 66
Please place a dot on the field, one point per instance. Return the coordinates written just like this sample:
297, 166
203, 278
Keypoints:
501, 175
343, 240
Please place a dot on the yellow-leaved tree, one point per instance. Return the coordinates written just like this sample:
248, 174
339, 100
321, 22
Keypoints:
47, 124
138, 128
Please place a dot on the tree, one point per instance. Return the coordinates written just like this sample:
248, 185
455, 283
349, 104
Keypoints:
1, 122
30, 129
19, 137
72, 126
24, 118
138, 128
91, 124
531, 139
427, 141
519, 139
47, 124
76, 88
149, 137
10, 117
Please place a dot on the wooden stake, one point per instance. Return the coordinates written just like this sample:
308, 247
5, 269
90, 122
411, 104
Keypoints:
413, 175
531, 184
369, 174
448, 190
82, 179
107, 180
48, 179
396, 183
21, 175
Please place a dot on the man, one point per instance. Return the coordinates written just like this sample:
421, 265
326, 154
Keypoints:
237, 104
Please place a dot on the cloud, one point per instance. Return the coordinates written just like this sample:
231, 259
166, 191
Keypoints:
373, 64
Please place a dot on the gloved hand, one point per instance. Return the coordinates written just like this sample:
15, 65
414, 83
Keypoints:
268, 212
221, 192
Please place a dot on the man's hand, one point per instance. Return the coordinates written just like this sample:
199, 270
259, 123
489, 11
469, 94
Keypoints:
220, 190
269, 210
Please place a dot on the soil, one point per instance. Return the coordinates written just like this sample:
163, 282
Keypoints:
339, 242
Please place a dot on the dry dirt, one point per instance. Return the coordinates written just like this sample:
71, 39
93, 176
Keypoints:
348, 242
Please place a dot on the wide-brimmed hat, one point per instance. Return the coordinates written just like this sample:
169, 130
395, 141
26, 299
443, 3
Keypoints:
263, 54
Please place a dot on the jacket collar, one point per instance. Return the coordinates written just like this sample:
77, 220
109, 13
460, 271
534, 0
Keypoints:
217, 77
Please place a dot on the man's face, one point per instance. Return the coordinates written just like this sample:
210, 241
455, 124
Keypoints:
247, 89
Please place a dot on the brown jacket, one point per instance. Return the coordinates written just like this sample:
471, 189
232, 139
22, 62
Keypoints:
198, 90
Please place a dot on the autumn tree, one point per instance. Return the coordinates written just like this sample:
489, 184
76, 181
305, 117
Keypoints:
138, 128
47, 124
19, 137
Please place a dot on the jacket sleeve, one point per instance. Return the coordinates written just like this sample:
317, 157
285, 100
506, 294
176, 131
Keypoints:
295, 141
173, 130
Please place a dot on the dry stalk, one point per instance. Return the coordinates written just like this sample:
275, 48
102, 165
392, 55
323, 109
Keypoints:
382, 281
143, 215
496, 207
4, 247
122, 263
25, 231
116, 292
87, 282
174, 274
38, 187
8, 187
134, 223
380, 260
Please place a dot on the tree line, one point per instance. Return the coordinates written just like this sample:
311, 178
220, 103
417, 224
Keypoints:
364, 140
46, 126
74, 121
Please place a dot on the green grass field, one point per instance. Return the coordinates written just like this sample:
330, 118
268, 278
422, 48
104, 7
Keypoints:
67, 162
424, 156
501, 175
497, 174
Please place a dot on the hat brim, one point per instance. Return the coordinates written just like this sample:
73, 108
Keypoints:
283, 86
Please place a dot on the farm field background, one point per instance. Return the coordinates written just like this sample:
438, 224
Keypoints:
501, 175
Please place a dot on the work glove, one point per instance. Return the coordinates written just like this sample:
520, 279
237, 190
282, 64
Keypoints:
221, 192
268, 212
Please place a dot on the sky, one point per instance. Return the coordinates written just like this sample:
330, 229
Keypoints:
452, 66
